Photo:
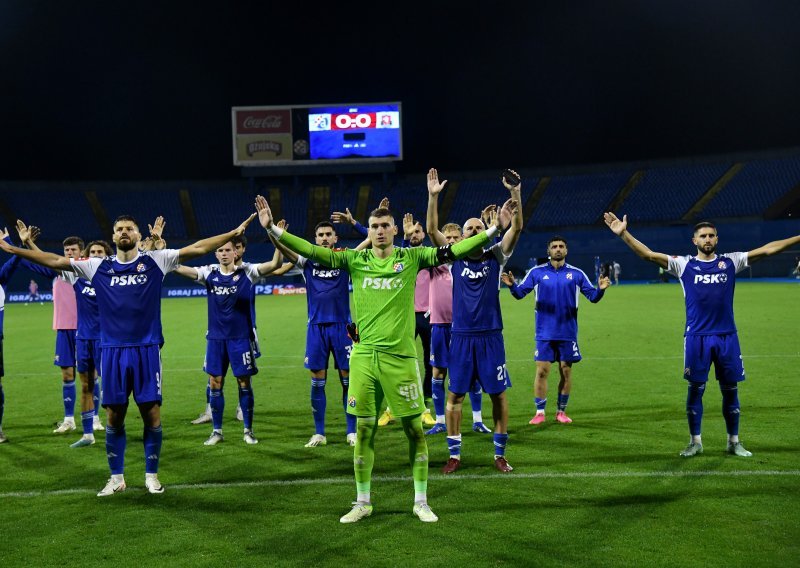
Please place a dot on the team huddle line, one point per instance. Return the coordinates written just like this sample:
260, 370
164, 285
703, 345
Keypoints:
448, 294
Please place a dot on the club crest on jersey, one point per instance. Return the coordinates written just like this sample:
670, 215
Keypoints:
351, 401
398, 266
235, 278
721, 265
569, 275
140, 267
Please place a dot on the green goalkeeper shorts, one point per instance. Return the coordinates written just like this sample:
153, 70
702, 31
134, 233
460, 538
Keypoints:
375, 375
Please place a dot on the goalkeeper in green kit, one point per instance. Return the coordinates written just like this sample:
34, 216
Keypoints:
383, 362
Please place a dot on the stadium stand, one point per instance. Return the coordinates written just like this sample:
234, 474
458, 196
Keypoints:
757, 186
576, 200
666, 193
59, 209
662, 201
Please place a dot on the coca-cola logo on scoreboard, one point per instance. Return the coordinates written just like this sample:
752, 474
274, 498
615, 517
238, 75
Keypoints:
263, 121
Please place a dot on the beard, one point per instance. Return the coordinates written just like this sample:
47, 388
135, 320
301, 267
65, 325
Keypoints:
127, 245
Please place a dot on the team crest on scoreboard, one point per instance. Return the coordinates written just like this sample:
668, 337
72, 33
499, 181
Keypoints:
569, 275
398, 266
140, 267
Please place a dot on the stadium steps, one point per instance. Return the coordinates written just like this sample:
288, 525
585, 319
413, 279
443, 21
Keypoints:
319, 206
712, 192
446, 206
275, 202
623, 193
187, 209
362, 203
533, 201
99, 212
786, 205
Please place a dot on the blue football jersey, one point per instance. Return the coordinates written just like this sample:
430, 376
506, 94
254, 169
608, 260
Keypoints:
476, 292
708, 287
6, 271
129, 296
327, 292
556, 291
230, 308
88, 310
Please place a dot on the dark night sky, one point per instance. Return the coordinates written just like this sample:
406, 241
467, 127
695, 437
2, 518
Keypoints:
104, 90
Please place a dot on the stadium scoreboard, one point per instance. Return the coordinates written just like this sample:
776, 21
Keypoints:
316, 134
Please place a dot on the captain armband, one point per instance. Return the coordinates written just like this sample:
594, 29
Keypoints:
445, 254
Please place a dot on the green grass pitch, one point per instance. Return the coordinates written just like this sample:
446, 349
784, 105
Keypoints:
607, 490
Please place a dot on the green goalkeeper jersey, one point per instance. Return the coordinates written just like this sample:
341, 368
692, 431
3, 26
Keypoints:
383, 288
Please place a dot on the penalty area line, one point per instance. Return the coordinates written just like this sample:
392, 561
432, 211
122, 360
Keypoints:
434, 477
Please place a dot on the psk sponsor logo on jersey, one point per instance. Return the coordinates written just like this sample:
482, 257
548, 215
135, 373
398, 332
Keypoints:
140, 267
320, 273
382, 283
223, 290
398, 266
721, 265
351, 401
128, 280
475, 274
710, 278
569, 275
88, 291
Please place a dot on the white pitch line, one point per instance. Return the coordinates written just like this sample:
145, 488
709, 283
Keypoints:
435, 477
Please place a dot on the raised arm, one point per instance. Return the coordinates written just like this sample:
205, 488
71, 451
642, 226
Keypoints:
508, 279
271, 266
449, 253
205, 246
289, 255
8, 268
324, 256
347, 218
42, 258
620, 228
189, 272
432, 222
511, 238
771, 248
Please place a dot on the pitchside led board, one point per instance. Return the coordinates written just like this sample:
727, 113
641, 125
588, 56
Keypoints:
316, 134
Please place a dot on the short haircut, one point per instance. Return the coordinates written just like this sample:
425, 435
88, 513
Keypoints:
324, 224
451, 227
555, 238
703, 225
104, 244
69, 241
239, 239
381, 212
126, 218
